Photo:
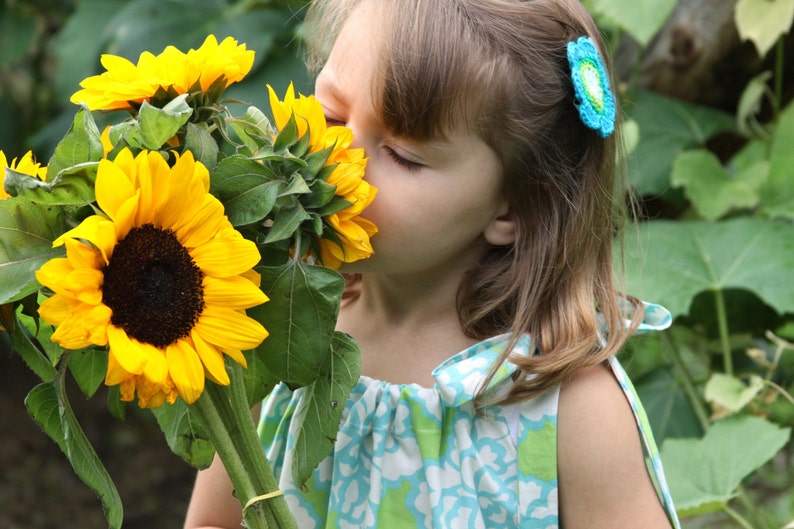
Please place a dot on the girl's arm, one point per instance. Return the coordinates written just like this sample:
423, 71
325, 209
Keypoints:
603, 480
212, 505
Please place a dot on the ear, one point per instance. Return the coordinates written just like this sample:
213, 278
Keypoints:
502, 229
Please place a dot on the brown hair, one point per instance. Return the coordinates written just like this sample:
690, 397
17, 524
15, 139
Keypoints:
499, 68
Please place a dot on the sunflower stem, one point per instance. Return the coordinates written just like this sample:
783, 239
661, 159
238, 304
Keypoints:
231, 429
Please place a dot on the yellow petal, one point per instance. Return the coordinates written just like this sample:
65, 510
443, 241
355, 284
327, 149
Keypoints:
235, 292
112, 187
212, 359
186, 370
131, 354
225, 257
226, 328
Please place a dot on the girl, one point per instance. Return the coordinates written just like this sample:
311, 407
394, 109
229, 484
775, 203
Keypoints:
487, 318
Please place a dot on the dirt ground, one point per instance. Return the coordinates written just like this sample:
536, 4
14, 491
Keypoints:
39, 490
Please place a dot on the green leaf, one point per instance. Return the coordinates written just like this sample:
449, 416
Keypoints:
184, 433
320, 408
26, 234
48, 405
730, 393
80, 144
668, 409
200, 142
72, 186
712, 190
763, 21
668, 126
246, 189
88, 367
23, 342
704, 474
750, 101
259, 382
301, 317
156, 126
641, 19
777, 195
253, 128
286, 223
670, 262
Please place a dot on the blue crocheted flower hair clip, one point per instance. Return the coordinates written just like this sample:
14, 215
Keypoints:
592, 94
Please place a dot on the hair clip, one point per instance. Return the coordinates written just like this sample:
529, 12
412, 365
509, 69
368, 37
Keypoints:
592, 93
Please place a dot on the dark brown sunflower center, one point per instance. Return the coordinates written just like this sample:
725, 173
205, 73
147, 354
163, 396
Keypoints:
153, 286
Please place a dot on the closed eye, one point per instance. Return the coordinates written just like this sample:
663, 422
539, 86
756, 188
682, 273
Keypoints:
332, 122
403, 162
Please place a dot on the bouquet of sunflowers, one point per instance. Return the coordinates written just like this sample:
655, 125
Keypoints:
185, 257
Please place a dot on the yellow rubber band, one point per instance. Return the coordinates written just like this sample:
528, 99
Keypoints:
262, 497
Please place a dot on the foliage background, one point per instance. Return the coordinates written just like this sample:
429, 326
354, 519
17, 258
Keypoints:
715, 179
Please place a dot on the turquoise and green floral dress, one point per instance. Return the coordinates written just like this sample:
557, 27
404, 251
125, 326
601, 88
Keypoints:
408, 456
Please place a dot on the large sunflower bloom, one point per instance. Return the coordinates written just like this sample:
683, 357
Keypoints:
162, 279
125, 85
25, 165
354, 231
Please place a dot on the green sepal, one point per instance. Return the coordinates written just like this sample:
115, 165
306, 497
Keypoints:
287, 137
253, 129
286, 222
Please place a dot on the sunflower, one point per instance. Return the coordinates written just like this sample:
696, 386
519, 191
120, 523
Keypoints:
25, 165
162, 279
125, 85
353, 231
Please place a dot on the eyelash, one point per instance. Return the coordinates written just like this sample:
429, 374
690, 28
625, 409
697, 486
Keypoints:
399, 160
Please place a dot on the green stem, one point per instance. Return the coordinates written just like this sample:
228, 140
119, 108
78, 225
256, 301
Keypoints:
251, 449
222, 439
722, 322
243, 456
686, 382
737, 517
778, 99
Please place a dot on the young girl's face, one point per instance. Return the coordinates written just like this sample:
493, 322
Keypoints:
439, 203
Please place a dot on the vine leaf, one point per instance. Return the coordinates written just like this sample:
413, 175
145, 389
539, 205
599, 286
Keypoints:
670, 262
704, 473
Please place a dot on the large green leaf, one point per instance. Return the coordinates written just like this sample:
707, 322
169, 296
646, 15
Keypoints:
777, 195
642, 19
26, 234
714, 191
49, 407
88, 367
763, 21
301, 317
671, 262
667, 127
704, 473
321, 405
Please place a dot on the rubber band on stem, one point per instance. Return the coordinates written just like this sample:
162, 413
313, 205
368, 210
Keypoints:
262, 497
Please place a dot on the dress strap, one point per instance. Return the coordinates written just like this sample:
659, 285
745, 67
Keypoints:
651, 450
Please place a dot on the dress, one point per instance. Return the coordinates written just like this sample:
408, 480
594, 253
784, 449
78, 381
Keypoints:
408, 456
